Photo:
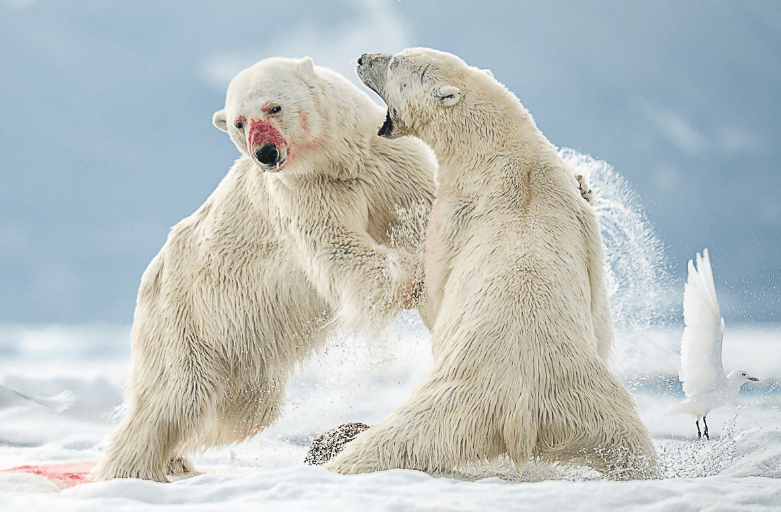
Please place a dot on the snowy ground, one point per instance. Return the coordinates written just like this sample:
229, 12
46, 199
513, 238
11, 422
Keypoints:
359, 380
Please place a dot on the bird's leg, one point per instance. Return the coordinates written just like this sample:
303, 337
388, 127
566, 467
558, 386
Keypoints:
706, 428
699, 434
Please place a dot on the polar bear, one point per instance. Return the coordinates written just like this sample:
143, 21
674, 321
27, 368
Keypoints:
514, 275
309, 230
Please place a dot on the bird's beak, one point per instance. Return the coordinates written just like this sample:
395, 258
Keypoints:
754, 379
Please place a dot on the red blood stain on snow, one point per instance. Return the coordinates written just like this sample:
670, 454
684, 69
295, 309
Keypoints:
263, 132
64, 475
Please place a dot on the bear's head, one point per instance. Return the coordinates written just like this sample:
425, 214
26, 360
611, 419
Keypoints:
415, 84
270, 112
429, 93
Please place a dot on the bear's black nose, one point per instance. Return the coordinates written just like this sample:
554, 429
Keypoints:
360, 59
267, 154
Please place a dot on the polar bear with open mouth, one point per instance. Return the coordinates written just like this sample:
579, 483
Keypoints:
514, 272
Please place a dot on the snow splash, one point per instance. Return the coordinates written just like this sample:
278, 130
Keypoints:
642, 297
637, 279
746, 447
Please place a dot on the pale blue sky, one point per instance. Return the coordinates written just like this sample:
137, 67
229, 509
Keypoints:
107, 140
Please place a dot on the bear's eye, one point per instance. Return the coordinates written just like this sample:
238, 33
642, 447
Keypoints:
239, 125
275, 109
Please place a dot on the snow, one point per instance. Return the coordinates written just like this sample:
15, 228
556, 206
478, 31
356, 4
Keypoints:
356, 379
306, 488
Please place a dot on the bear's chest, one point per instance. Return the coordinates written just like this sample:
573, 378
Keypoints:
319, 200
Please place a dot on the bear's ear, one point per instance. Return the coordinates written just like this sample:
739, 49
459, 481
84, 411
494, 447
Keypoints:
307, 66
488, 72
446, 95
220, 121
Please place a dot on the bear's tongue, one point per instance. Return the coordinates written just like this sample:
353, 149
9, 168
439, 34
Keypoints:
387, 126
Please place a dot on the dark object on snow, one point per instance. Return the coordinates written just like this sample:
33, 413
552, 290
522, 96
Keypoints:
327, 446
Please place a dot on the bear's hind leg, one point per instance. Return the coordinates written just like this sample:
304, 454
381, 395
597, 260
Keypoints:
441, 426
617, 443
250, 410
162, 422
141, 447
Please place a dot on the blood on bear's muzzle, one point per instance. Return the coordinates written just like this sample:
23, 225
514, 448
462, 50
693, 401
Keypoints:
267, 144
267, 154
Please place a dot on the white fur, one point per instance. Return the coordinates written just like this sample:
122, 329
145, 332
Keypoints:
249, 284
522, 329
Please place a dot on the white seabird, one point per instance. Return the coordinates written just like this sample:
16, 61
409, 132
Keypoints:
702, 373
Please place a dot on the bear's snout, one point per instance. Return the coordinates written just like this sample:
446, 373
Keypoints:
372, 69
266, 144
267, 154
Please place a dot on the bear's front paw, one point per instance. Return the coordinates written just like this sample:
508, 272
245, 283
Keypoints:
412, 293
585, 191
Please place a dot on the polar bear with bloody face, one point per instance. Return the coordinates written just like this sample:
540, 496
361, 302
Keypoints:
338, 190
318, 224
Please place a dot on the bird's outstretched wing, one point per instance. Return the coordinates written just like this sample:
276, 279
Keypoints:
701, 366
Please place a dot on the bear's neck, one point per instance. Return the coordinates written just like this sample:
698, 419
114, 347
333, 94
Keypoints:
325, 164
485, 143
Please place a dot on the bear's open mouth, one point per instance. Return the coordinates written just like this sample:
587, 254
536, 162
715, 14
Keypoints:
387, 126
